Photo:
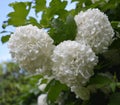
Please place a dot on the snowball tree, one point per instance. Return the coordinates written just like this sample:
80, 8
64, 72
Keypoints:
75, 50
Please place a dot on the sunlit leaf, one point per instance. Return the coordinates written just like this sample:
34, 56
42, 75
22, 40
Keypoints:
45, 21
56, 8
40, 5
19, 15
33, 21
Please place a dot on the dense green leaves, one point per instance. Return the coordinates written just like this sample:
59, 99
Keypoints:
56, 8
61, 30
16, 88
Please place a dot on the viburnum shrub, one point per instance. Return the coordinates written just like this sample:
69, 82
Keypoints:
76, 51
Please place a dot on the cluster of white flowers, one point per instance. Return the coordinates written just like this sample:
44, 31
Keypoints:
70, 62
31, 48
95, 29
42, 99
73, 63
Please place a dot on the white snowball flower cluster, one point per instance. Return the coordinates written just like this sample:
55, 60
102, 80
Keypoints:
31, 48
95, 29
42, 99
73, 63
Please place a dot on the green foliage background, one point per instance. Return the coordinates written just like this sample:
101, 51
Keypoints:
16, 88
19, 89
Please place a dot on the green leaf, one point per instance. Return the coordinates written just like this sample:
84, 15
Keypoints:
4, 25
45, 21
115, 99
79, 6
34, 77
113, 86
54, 89
21, 10
3, 32
115, 24
4, 39
56, 8
40, 5
62, 31
100, 80
71, 27
112, 4
58, 4
57, 32
33, 21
